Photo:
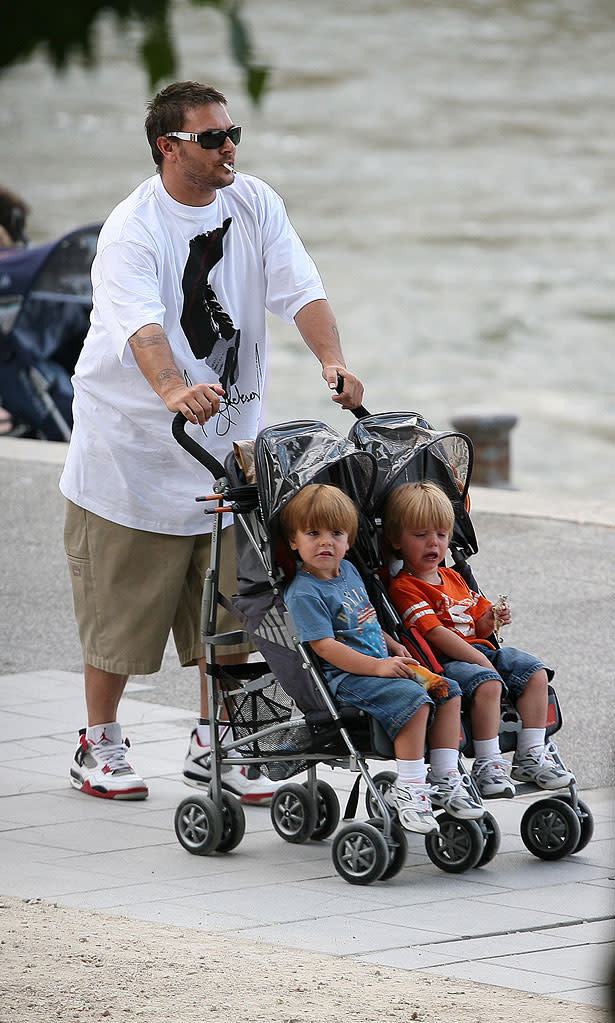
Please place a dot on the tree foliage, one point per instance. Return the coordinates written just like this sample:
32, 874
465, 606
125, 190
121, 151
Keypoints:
66, 32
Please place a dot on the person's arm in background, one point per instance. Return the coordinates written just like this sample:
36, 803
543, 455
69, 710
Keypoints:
318, 328
153, 355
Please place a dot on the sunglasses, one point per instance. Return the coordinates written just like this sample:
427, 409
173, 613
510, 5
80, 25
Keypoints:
211, 139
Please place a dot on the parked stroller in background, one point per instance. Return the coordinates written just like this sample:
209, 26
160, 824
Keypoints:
282, 717
45, 304
408, 450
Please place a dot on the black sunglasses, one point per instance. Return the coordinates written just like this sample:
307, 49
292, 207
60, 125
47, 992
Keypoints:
211, 139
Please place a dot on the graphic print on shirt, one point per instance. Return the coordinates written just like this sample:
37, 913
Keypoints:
358, 616
210, 331
459, 613
227, 416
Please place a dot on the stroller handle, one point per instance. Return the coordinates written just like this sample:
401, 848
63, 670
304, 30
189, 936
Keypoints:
360, 412
194, 448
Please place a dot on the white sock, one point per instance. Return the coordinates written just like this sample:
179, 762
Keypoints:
529, 737
204, 732
204, 736
112, 731
487, 748
411, 772
444, 761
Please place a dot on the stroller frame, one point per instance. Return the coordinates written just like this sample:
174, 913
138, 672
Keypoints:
362, 852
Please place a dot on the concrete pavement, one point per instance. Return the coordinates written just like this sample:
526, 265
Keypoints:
518, 922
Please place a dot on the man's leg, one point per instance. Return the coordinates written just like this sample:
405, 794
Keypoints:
103, 692
126, 585
247, 782
100, 767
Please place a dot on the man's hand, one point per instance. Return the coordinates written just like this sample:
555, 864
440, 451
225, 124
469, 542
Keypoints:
352, 394
198, 403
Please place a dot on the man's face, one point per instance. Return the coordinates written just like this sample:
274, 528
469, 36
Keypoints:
189, 167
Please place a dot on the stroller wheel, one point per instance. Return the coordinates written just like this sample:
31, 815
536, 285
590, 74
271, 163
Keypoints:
586, 820
458, 846
328, 811
198, 824
360, 853
294, 813
233, 823
398, 849
383, 782
493, 838
550, 829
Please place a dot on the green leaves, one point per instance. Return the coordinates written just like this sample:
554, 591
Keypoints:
68, 36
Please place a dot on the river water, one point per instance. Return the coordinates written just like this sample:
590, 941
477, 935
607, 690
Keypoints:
449, 165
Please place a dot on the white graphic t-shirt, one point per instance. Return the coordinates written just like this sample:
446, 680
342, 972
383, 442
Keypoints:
206, 274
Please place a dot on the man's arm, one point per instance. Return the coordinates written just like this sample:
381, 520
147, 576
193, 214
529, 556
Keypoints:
153, 355
317, 326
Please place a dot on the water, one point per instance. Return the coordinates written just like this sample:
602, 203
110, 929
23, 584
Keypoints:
450, 166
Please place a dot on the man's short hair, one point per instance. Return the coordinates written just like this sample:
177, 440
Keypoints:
320, 506
416, 506
167, 110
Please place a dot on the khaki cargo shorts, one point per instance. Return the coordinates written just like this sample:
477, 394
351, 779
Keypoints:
132, 587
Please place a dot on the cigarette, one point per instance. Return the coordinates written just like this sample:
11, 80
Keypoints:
228, 167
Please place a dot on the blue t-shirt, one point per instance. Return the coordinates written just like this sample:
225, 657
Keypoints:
335, 609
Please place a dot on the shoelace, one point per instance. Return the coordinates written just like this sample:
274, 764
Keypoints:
495, 762
415, 794
113, 754
461, 782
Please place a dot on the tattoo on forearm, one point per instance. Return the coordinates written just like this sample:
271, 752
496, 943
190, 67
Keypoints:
169, 374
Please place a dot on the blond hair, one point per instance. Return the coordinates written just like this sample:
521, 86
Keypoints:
320, 506
416, 506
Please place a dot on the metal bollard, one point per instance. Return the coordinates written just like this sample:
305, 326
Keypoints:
490, 436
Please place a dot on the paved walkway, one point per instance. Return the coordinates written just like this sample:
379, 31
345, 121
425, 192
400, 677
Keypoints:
518, 922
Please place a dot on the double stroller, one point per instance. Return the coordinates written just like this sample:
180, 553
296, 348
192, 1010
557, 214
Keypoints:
280, 716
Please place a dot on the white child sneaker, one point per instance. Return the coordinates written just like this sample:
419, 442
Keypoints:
101, 769
538, 765
491, 777
245, 781
452, 793
413, 805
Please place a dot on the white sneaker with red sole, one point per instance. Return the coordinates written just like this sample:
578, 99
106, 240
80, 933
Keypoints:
101, 769
245, 781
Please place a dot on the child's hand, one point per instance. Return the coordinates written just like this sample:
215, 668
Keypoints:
395, 667
501, 612
399, 650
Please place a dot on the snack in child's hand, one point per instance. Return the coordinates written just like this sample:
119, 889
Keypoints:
498, 607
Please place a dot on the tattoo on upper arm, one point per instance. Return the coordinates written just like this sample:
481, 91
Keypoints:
140, 340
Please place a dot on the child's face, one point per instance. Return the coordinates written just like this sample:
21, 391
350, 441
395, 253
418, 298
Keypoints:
320, 550
423, 550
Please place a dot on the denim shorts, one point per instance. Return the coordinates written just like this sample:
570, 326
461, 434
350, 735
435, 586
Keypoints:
512, 667
392, 701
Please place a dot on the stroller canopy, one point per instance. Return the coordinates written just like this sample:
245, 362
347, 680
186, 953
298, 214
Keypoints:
408, 450
290, 456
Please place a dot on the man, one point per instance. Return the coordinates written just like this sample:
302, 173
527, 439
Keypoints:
185, 270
